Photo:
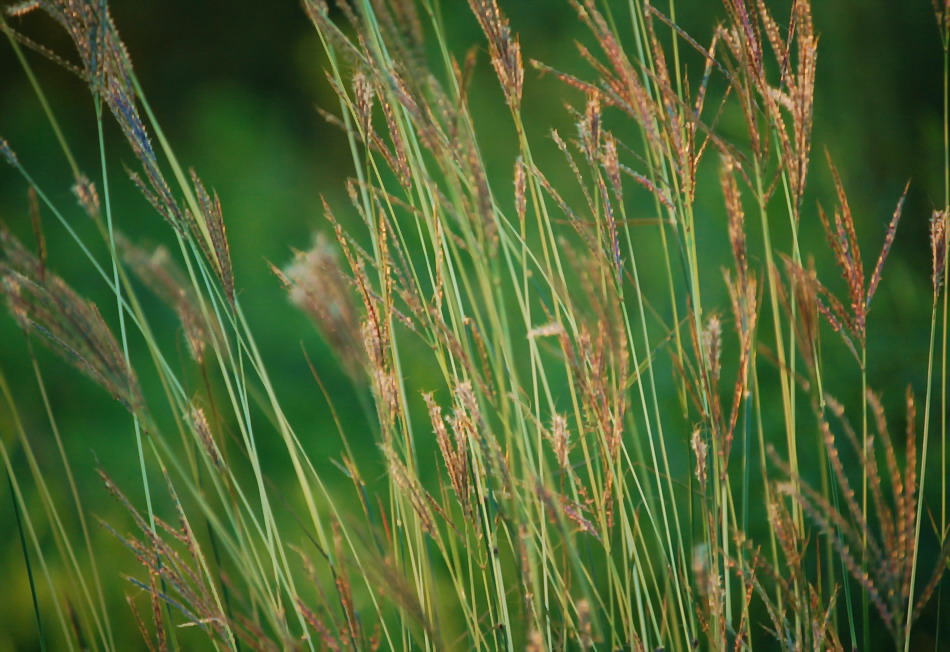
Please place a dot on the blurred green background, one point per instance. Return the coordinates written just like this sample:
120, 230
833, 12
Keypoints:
235, 87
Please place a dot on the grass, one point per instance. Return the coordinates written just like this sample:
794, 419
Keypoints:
573, 445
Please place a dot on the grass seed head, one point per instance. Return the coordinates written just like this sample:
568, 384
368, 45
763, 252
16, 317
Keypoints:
560, 440
87, 196
520, 183
938, 248
22, 8
504, 48
200, 424
318, 285
43, 304
700, 450
8, 154
712, 347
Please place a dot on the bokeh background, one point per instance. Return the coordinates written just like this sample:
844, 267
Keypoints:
236, 86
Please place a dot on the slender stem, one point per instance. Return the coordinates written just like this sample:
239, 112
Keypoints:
946, 313
40, 632
865, 602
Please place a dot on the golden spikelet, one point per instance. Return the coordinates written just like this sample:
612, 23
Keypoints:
22, 8
87, 196
200, 424
504, 48
365, 93
700, 450
454, 453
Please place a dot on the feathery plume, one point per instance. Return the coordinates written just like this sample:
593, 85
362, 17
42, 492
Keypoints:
42, 303
317, 285
504, 48
217, 249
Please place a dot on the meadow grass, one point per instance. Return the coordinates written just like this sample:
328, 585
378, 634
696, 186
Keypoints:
570, 444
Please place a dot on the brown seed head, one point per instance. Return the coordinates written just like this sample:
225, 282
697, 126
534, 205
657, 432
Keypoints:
364, 92
712, 347
938, 247
730, 191
612, 164
454, 453
560, 440
700, 449
589, 127
200, 423
87, 196
22, 8
504, 48
70, 325
520, 183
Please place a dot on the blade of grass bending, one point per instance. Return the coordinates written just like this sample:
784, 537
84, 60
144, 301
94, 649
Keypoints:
27, 523
923, 475
40, 633
108, 641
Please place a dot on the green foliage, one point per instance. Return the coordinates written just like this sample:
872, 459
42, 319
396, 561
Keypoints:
582, 314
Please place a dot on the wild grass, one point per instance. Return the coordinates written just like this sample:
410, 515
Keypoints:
600, 456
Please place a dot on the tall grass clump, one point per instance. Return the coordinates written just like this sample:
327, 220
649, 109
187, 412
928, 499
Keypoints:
596, 408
